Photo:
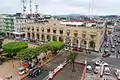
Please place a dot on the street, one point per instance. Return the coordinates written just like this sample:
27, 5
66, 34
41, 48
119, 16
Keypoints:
49, 67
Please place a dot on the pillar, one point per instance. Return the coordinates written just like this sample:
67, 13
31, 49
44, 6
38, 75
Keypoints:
87, 45
30, 35
26, 35
57, 38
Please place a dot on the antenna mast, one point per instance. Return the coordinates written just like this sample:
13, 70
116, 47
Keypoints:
24, 7
36, 6
30, 6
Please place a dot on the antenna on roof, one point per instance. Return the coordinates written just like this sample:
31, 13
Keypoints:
30, 6
91, 3
36, 6
24, 7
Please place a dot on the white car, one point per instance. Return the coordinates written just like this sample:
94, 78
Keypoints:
89, 67
98, 62
117, 73
97, 69
107, 70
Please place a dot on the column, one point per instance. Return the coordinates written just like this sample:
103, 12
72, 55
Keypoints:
45, 38
26, 35
51, 38
30, 35
57, 38
87, 45
78, 43
71, 41
64, 39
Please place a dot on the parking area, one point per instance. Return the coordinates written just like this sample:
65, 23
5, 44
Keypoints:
107, 74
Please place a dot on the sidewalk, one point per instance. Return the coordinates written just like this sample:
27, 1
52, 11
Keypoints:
7, 69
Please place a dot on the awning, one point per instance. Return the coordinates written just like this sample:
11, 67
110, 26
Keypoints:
19, 33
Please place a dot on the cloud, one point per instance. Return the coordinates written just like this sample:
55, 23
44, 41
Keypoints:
64, 6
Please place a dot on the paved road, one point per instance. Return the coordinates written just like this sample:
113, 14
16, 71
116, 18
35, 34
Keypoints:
49, 67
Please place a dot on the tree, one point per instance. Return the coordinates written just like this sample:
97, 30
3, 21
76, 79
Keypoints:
54, 46
27, 53
12, 48
71, 59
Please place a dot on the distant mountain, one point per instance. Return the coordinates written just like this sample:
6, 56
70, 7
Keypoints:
73, 16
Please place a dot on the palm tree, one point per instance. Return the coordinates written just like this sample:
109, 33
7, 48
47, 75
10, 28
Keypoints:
71, 59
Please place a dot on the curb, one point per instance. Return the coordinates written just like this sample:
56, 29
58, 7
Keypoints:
45, 63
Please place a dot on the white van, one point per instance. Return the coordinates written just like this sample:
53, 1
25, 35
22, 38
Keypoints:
117, 73
97, 70
107, 70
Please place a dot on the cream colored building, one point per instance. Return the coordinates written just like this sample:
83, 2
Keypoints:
77, 36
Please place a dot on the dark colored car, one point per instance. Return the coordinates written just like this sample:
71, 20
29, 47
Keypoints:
106, 55
35, 72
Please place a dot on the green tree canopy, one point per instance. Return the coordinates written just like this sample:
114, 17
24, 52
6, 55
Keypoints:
27, 53
54, 46
14, 47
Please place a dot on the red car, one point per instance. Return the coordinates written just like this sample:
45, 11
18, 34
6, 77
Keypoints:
106, 55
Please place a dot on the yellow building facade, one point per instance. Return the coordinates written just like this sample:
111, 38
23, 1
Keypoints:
78, 37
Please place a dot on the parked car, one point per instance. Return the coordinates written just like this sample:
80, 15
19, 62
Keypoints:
112, 49
89, 67
117, 73
22, 70
98, 62
106, 55
118, 52
97, 69
107, 71
34, 72
106, 50
113, 46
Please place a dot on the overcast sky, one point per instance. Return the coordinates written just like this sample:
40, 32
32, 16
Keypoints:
58, 7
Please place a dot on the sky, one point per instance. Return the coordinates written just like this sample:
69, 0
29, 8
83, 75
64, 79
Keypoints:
61, 7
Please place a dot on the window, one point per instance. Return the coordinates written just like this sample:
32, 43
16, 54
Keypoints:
83, 35
28, 29
68, 32
54, 31
42, 29
75, 34
48, 30
42, 37
37, 29
61, 31
92, 36
32, 29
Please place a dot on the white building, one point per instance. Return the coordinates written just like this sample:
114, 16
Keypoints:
2, 22
19, 26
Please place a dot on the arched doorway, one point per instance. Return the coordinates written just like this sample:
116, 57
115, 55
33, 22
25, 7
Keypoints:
54, 38
38, 36
92, 45
28, 36
33, 36
67, 43
61, 39
83, 44
48, 37
75, 44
